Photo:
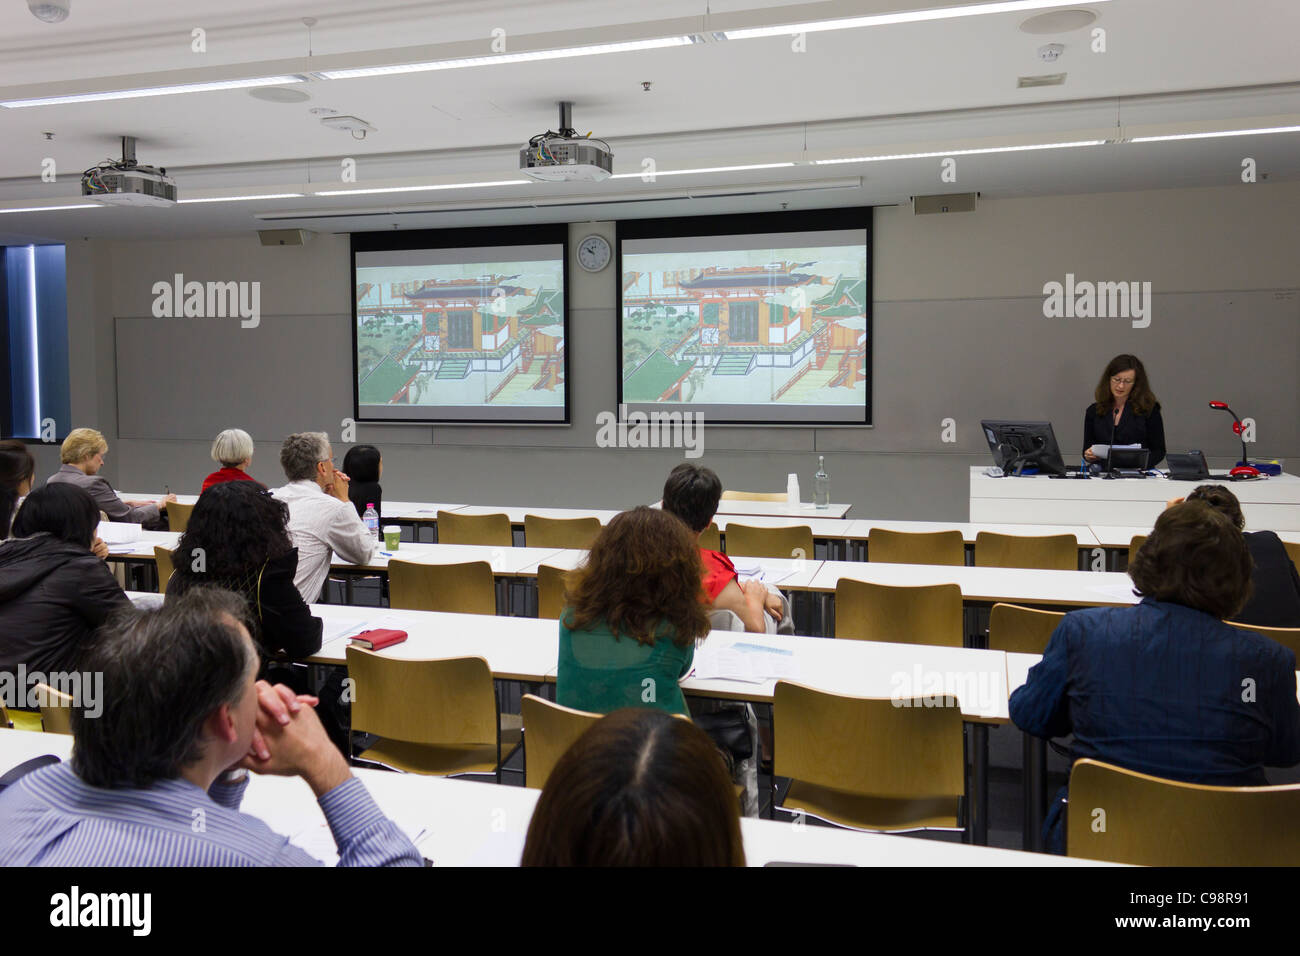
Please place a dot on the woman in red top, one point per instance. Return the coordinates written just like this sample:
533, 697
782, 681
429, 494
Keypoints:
233, 451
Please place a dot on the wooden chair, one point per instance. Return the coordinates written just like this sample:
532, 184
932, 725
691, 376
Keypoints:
163, 558
431, 716
711, 538
550, 591
1021, 630
1288, 637
769, 542
909, 547
1133, 546
1053, 552
1293, 549
930, 614
56, 709
571, 533
1128, 817
20, 720
178, 516
869, 763
753, 496
490, 530
549, 731
467, 588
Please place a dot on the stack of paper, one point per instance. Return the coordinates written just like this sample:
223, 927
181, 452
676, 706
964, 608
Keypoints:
743, 661
119, 532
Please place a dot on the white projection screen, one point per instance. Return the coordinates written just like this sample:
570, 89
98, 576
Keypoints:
751, 319
461, 326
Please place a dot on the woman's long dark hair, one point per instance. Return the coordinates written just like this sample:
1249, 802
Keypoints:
16, 467
1141, 397
238, 525
362, 463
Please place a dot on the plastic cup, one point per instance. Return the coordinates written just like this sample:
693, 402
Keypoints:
392, 537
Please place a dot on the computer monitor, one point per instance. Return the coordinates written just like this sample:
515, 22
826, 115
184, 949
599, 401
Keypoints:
1019, 445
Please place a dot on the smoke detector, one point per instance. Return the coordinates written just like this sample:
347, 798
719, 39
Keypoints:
352, 124
50, 11
1051, 52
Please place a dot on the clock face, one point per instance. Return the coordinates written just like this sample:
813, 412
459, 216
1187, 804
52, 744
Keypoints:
593, 253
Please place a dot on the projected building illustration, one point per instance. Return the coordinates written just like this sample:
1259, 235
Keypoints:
491, 338
729, 331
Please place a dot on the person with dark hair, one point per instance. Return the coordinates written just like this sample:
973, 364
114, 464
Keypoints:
639, 788
237, 539
633, 614
17, 469
54, 591
157, 778
1275, 597
1124, 411
692, 493
364, 466
1166, 687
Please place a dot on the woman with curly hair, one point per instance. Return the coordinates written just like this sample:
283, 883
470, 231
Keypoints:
634, 612
237, 539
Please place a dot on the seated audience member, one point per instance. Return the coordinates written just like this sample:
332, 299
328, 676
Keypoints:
1275, 598
233, 451
183, 720
364, 467
639, 788
633, 615
82, 455
1157, 687
692, 493
237, 539
322, 521
54, 591
17, 469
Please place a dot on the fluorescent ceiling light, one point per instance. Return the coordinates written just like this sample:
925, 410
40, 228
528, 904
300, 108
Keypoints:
91, 205
526, 57
910, 16
1228, 132
959, 152
153, 91
244, 198
650, 176
416, 189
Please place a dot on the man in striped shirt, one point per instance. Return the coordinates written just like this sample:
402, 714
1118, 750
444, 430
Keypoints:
157, 778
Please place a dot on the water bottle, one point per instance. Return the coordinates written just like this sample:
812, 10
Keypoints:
821, 485
371, 519
792, 490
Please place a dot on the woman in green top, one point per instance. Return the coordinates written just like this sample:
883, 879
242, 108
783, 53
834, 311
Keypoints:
633, 613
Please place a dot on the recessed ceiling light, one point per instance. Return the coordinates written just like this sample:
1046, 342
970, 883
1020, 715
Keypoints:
279, 94
1058, 21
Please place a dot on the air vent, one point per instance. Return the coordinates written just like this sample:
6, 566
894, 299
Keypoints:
953, 202
1047, 79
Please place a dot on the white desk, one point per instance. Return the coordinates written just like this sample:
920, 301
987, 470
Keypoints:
990, 585
862, 528
784, 573
1119, 536
1271, 503
781, 509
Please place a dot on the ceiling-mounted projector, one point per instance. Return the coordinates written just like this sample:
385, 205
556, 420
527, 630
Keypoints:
125, 182
566, 157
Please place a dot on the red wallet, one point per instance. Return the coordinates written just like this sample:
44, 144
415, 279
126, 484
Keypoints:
379, 638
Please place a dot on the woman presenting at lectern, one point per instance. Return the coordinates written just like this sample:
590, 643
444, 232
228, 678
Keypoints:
1124, 412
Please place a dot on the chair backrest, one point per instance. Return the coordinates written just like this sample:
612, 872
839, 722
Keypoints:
868, 746
724, 620
571, 533
56, 709
1053, 552
1288, 637
711, 538
1021, 630
911, 547
550, 591
178, 516
467, 588
1137, 541
1127, 817
444, 702
549, 731
163, 558
490, 530
754, 496
5, 722
1293, 549
930, 614
752, 542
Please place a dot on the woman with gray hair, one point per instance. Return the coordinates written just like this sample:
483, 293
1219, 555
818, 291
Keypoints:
233, 451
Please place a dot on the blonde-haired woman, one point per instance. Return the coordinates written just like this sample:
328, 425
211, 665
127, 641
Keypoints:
82, 455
